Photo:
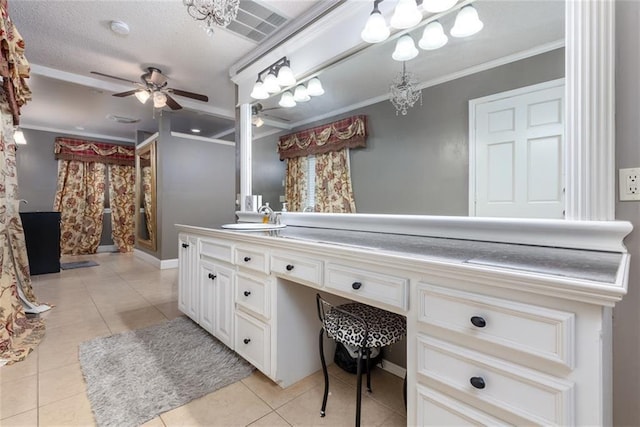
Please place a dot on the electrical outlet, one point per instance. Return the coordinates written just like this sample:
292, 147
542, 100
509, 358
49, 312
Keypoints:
629, 183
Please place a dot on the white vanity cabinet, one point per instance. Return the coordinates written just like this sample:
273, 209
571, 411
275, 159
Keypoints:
216, 300
188, 287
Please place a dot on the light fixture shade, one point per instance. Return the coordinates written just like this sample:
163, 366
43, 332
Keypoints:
376, 29
159, 99
301, 94
405, 49
436, 6
406, 14
271, 83
19, 138
142, 95
314, 87
467, 22
285, 76
287, 100
433, 37
259, 92
257, 121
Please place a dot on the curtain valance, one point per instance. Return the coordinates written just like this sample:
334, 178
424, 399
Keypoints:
89, 151
346, 133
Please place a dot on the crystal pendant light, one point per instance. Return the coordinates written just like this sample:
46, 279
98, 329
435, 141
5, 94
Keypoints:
433, 37
376, 29
467, 22
314, 87
287, 100
406, 15
403, 92
405, 49
437, 6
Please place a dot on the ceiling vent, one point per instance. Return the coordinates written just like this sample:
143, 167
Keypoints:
255, 21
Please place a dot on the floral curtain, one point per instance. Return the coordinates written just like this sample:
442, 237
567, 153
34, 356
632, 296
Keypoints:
147, 184
18, 334
295, 184
80, 201
333, 183
122, 181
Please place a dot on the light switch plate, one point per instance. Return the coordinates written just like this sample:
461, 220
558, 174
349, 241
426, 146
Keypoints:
629, 184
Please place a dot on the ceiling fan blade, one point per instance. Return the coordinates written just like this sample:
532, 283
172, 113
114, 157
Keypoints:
127, 93
172, 103
186, 94
112, 77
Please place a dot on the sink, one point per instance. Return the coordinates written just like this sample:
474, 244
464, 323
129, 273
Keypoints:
253, 226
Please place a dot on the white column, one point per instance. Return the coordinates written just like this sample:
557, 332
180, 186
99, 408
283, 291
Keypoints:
590, 126
245, 153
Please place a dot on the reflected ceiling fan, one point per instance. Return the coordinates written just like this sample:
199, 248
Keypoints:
154, 87
257, 112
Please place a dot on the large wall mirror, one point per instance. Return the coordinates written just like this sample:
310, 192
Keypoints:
146, 231
419, 163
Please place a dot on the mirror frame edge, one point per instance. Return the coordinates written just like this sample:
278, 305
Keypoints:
148, 145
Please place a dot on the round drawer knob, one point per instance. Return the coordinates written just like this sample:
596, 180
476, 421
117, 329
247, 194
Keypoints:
356, 285
248, 340
247, 259
212, 276
289, 267
477, 382
478, 322
247, 293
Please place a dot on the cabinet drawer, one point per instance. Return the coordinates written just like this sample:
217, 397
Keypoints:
216, 249
539, 331
253, 341
297, 268
253, 294
384, 288
436, 409
252, 259
530, 396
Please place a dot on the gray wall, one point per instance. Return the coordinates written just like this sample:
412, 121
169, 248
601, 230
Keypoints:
268, 171
418, 163
626, 326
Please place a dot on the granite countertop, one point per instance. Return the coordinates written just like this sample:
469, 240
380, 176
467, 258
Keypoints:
598, 266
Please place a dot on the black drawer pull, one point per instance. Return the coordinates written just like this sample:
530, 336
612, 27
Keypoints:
247, 293
212, 276
356, 285
185, 245
478, 322
247, 259
289, 267
247, 340
477, 382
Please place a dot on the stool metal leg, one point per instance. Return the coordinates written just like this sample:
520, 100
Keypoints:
359, 386
325, 372
369, 370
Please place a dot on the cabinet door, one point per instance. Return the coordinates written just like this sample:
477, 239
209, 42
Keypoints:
187, 276
208, 279
223, 311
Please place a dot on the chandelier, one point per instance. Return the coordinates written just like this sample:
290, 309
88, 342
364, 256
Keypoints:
212, 12
403, 92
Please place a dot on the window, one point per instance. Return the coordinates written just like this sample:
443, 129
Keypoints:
311, 183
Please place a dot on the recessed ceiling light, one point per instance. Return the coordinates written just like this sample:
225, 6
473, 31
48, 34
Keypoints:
119, 27
195, 130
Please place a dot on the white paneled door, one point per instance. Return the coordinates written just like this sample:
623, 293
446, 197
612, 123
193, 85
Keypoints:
516, 153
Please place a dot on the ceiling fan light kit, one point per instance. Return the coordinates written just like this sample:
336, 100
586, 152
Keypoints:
142, 96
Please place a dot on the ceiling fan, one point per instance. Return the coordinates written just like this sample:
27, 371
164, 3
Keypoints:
257, 112
154, 86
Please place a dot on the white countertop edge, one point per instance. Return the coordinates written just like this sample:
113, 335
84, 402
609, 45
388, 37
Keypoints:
589, 235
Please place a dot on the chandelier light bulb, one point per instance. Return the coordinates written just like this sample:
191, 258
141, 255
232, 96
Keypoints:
406, 15
142, 96
433, 37
259, 92
467, 22
287, 100
437, 6
376, 29
405, 49
314, 87
285, 76
301, 94
271, 83
159, 100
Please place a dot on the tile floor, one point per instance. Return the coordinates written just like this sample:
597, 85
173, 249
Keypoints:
124, 293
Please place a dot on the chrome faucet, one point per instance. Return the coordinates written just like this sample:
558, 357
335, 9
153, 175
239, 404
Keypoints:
269, 216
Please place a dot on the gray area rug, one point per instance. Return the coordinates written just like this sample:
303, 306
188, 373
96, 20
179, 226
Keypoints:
134, 376
77, 264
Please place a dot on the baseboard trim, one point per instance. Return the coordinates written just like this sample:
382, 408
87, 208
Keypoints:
147, 258
392, 368
168, 263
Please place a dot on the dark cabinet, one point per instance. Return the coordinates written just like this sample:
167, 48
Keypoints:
42, 235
